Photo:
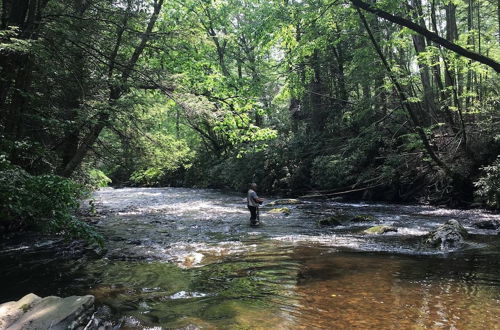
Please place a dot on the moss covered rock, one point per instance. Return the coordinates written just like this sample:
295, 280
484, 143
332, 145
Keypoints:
379, 230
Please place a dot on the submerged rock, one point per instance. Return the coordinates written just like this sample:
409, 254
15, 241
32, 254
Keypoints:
289, 201
33, 312
450, 235
283, 210
488, 224
379, 230
330, 221
362, 218
345, 219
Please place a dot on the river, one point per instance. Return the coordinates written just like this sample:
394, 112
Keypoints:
187, 258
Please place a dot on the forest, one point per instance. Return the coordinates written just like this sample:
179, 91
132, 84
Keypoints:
395, 101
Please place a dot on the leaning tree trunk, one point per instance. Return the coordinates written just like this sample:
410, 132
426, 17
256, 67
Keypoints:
428, 34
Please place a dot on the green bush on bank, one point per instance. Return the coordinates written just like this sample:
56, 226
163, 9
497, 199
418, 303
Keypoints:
97, 179
162, 160
488, 186
149, 177
331, 171
45, 203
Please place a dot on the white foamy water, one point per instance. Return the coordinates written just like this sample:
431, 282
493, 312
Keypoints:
187, 295
193, 227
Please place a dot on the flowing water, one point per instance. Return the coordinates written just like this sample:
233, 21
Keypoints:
187, 258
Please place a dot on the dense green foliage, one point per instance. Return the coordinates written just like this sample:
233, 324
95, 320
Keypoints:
298, 96
42, 202
488, 185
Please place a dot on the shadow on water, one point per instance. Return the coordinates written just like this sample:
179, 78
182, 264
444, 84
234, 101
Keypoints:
186, 257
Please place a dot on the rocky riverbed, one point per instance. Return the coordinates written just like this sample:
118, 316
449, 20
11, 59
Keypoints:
179, 258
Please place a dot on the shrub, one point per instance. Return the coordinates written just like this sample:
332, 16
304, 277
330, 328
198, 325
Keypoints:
45, 203
331, 171
97, 179
149, 177
162, 160
488, 186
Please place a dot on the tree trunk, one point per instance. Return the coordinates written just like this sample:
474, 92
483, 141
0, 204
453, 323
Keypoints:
339, 71
316, 91
75, 90
470, 41
452, 36
419, 44
444, 94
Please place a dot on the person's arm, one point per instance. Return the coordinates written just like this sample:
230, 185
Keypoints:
257, 199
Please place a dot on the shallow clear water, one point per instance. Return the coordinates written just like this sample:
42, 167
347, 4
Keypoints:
188, 258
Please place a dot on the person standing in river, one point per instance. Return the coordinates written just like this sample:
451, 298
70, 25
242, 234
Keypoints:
253, 202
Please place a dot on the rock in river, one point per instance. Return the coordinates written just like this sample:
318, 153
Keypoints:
451, 235
330, 221
379, 230
33, 312
488, 224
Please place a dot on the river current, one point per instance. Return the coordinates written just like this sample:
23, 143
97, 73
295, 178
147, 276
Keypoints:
188, 258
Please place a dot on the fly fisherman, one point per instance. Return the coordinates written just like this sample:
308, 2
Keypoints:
253, 202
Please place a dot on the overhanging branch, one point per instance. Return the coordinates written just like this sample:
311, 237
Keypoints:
428, 34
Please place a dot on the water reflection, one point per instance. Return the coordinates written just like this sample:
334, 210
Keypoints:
280, 286
359, 291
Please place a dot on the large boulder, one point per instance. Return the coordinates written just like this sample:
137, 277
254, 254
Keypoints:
450, 235
379, 230
32, 312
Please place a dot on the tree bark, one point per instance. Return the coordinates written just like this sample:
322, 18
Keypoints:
452, 36
470, 41
316, 91
339, 70
420, 45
